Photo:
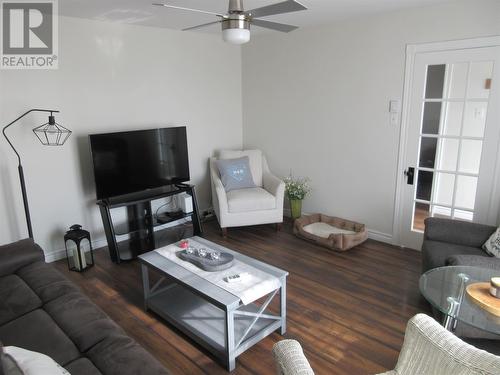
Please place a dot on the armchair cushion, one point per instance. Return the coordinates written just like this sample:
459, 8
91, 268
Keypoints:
255, 159
253, 199
235, 173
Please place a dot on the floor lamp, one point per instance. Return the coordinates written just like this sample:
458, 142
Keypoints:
50, 134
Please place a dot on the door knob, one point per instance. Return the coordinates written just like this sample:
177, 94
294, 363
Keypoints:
410, 175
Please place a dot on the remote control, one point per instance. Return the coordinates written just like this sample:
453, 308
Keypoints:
237, 277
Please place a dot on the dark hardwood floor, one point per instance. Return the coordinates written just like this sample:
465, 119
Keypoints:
349, 310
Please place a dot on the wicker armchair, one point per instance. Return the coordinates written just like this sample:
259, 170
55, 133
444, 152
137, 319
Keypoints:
428, 349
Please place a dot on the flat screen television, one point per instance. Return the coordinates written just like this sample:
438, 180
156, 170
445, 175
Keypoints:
135, 161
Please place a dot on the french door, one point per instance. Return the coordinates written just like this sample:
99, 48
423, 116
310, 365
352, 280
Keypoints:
452, 140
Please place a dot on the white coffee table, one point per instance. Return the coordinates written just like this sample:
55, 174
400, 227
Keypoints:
208, 314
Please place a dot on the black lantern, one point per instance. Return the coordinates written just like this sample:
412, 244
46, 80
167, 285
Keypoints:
78, 248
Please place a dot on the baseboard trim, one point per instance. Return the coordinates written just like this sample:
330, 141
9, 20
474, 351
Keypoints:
56, 255
380, 236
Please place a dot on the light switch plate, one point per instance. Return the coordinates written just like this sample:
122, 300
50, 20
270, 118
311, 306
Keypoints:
394, 106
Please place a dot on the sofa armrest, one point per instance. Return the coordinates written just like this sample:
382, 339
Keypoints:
457, 232
290, 359
474, 261
273, 185
19, 254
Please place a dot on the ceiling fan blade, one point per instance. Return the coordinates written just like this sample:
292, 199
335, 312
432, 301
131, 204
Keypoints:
188, 9
283, 7
274, 25
200, 26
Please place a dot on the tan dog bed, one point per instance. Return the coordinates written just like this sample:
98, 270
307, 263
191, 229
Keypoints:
331, 232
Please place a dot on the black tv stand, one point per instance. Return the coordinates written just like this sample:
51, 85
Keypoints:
141, 220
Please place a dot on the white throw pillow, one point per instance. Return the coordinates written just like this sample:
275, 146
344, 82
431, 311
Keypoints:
324, 230
33, 363
492, 245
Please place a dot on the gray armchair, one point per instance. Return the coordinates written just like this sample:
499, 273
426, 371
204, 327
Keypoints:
428, 349
446, 238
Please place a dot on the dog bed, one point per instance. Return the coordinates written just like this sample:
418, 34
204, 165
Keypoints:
330, 232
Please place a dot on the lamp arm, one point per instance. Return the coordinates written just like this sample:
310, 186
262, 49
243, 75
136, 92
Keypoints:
17, 119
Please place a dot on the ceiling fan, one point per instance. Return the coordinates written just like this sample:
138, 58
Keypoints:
236, 22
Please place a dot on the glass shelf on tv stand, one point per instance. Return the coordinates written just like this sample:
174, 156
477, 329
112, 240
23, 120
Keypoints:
133, 226
142, 226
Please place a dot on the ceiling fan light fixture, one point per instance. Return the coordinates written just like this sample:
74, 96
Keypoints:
236, 36
236, 22
236, 30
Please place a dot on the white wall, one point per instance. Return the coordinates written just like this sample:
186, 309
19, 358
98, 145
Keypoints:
112, 77
316, 102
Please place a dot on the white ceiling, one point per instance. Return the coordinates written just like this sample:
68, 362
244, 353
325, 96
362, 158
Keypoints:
141, 12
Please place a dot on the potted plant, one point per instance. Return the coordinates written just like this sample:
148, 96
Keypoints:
296, 190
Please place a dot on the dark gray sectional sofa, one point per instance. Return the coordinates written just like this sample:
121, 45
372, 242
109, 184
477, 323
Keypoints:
458, 243
42, 311
452, 242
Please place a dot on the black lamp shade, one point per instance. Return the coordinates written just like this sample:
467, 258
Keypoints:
52, 133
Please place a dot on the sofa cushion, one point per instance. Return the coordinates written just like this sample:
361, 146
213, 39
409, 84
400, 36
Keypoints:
120, 355
253, 199
255, 158
457, 232
474, 261
435, 253
38, 332
83, 322
18, 254
82, 366
46, 281
16, 298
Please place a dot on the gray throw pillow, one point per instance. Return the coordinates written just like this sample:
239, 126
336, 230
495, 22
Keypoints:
235, 173
492, 245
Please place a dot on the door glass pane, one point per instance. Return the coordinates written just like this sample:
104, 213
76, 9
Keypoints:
432, 117
453, 118
475, 119
480, 73
439, 211
458, 80
466, 192
444, 186
435, 81
448, 154
463, 215
420, 213
424, 185
470, 156
427, 152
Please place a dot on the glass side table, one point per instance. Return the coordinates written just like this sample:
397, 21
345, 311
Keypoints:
444, 288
